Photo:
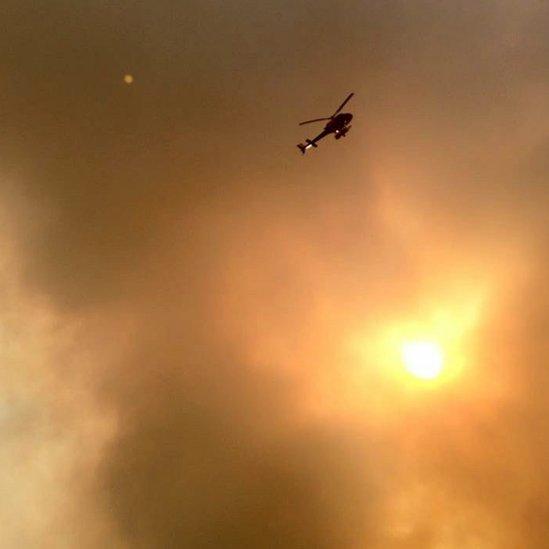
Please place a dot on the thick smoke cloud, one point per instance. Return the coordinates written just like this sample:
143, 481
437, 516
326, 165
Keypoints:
193, 316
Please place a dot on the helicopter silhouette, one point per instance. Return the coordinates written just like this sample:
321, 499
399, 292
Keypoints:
338, 124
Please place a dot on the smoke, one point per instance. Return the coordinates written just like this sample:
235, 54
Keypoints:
195, 319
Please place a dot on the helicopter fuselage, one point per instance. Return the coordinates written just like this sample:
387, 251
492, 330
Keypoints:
339, 122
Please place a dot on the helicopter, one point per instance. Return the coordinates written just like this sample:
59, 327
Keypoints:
338, 124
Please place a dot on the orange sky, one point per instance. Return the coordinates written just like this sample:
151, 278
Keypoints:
201, 330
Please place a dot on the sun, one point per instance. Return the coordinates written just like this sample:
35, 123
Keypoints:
423, 359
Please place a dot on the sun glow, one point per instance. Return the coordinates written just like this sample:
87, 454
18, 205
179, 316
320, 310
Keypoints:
423, 359
405, 356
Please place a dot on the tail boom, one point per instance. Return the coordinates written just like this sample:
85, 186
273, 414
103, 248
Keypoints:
308, 145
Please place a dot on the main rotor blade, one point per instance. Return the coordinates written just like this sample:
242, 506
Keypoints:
315, 120
343, 104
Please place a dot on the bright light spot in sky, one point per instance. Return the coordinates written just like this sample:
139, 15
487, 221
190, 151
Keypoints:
423, 359
128, 78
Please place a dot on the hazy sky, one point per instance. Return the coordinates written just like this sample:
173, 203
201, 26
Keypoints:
201, 329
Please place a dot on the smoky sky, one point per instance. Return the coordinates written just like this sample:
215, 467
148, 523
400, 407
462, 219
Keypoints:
191, 310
